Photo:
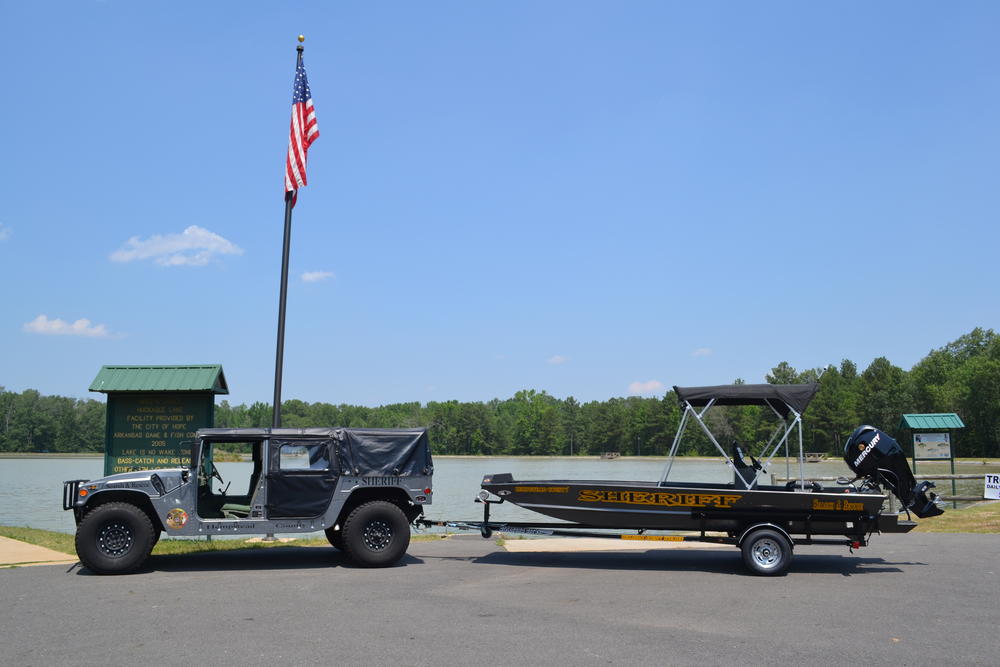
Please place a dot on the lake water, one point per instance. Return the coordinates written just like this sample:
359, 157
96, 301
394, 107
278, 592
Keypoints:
31, 489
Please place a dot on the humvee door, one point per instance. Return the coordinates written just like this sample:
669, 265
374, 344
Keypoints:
302, 475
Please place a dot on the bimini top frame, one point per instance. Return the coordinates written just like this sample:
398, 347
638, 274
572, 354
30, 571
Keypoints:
787, 401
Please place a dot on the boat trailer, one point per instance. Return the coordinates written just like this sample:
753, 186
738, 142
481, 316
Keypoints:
755, 540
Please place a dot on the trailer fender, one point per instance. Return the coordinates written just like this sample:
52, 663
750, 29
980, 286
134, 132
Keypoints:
757, 526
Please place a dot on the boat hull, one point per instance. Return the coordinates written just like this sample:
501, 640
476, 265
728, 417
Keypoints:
690, 506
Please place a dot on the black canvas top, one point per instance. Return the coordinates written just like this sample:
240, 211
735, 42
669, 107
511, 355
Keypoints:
780, 396
237, 433
395, 452
362, 451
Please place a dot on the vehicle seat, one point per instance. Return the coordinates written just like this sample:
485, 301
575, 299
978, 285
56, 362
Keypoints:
236, 510
238, 507
744, 471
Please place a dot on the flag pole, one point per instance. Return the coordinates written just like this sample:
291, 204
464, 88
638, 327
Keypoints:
282, 299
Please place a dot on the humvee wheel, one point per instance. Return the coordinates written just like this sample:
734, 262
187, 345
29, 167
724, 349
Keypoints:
114, 538
335, 538
376, 534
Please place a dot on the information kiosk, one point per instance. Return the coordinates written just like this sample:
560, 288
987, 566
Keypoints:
153, 409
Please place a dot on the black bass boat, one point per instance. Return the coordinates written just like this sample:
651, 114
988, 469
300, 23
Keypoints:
765, 521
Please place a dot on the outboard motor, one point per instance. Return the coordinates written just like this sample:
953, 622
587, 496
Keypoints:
872, 454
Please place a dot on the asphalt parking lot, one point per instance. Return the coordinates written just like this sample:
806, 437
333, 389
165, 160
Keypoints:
906, 600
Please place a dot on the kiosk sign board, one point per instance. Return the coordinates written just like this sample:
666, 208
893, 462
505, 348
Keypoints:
154, 410
991, 488
931, 446
146, 430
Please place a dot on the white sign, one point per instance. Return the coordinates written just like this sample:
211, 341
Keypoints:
932, 445
992, 488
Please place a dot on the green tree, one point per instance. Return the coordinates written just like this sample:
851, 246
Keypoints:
783, 373
884, 395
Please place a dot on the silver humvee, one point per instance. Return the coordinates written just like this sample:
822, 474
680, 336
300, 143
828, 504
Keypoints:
362, 487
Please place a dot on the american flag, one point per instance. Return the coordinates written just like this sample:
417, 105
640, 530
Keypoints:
302, 133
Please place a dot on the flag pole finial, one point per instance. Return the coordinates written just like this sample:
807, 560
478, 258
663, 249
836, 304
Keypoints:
302, 38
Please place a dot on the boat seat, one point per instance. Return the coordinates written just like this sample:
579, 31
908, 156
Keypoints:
815, 487
744, 470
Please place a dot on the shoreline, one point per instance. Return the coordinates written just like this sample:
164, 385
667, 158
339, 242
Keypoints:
51, 455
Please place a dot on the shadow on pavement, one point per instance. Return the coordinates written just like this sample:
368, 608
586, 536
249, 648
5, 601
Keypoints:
271, 558
718, 562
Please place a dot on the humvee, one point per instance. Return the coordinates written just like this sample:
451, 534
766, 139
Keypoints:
362, 487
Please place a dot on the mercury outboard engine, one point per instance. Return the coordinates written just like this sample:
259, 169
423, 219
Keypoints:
872, 454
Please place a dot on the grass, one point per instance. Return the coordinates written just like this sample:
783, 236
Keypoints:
44, 538
66, 544
980, 518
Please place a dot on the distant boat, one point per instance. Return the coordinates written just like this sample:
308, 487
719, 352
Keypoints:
815, 457
608, 456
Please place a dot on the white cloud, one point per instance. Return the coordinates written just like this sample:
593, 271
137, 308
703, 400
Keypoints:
702, 352
4, 232
316, 276
57, 327
647, 387
194, 246
556, 360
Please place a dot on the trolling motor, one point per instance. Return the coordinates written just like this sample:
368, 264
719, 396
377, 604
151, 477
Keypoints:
872, 454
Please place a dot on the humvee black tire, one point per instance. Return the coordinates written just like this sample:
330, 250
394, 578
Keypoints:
115, 538
766, 552
376, 534
335, 538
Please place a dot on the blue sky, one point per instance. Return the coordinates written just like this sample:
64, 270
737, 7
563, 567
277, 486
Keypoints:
590, 198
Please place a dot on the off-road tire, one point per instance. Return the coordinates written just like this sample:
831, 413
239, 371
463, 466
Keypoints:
335, 538
115, 538
376, 534
766, 552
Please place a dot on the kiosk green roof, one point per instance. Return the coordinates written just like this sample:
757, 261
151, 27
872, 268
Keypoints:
933, 421
193, 378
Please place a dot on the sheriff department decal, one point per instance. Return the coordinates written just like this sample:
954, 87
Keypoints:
176, 518
661, 498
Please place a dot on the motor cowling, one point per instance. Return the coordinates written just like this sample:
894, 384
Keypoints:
873, 454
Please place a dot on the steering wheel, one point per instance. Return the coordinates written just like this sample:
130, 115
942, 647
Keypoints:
218, 476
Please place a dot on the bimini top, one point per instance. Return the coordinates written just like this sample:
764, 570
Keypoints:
779, 396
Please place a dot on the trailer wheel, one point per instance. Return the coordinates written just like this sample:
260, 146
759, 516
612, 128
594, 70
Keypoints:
376, 534
114, 538
335, 538
766, 552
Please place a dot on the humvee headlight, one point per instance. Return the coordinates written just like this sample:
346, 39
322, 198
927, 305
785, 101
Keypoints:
83, 493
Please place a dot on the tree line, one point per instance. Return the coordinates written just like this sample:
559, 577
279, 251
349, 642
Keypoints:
963, 377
